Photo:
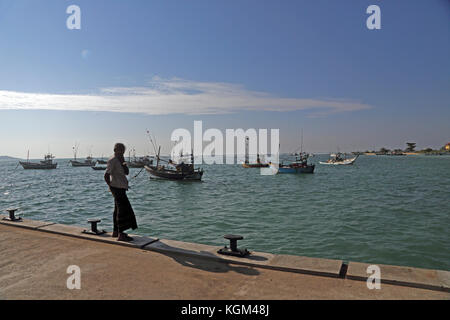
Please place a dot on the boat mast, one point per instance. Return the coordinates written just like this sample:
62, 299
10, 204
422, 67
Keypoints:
301, 145
75, 150
28, 156
246, 150
157, 157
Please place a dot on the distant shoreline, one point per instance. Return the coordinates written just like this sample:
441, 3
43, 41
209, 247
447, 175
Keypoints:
8, 158
416, 153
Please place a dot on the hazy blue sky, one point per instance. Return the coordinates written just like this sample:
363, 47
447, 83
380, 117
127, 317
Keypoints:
160, 65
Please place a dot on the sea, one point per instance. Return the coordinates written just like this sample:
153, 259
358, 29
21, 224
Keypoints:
381, 210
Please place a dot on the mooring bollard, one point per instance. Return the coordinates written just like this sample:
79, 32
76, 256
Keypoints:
343, 270
12, 216
233, 250
94, 229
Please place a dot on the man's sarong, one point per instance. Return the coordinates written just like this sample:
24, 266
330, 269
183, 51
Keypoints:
123, 217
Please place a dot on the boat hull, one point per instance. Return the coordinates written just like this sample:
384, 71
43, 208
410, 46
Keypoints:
344, 162
98, 168
38, 166
289, 169
82, 164
160, 173
255, 165
196, 176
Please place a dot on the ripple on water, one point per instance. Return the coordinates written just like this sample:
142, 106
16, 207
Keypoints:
390, 210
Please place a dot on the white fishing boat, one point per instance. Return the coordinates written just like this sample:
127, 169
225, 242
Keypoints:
338, 159
47, 163
101, 161
88, 162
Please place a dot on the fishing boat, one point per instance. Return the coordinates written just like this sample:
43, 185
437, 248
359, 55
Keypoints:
138, 162
300, 165
47, 163
174, 171
338, 159
98, 168
101, 161
162, 172
258, 163
89, 162
247, 163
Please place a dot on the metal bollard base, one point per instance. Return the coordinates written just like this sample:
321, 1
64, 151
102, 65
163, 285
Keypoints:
15, 219
99, 232
237, 253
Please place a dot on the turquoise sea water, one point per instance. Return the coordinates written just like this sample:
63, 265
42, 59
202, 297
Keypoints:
387, 210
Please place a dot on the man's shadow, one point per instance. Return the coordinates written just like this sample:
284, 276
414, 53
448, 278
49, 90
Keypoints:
207, 261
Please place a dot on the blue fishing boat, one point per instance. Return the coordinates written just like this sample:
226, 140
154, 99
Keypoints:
289, 169
300, 165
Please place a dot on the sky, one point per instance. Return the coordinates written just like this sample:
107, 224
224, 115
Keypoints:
310, 66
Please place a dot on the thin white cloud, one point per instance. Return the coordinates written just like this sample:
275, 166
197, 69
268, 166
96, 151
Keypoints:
174, 96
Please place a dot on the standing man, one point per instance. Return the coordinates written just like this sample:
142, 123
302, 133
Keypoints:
115, 177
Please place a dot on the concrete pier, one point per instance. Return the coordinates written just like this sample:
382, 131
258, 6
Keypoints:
35, 255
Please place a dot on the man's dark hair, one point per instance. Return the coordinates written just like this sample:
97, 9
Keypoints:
118, 146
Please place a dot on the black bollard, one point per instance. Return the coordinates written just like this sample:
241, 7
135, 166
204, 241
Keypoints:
94, 229
233, 250
12, 216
